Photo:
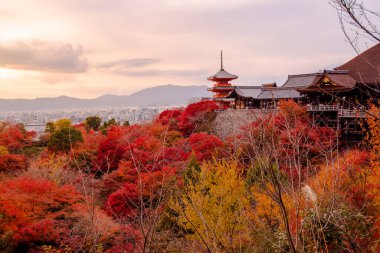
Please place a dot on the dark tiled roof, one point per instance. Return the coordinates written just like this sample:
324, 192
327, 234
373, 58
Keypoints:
365, 68
300, 80
222, 74
242, 87
341, 80
278, 93
248, 91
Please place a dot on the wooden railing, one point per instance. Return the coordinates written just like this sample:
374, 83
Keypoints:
318, 108
342, 112
348, 113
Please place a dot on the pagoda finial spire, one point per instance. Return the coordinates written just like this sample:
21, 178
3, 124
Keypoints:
221, 59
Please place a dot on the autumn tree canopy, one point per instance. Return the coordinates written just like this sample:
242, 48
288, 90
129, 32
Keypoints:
281, 183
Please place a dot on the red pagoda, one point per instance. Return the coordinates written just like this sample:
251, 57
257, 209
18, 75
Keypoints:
222, 86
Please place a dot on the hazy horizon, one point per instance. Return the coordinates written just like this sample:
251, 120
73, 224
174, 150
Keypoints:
90, 48
109, 94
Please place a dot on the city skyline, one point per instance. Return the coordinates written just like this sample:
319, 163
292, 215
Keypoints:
92, 48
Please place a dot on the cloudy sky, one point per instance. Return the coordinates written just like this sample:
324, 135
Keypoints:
89, 48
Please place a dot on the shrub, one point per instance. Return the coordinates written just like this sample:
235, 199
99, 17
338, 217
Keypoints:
12, 163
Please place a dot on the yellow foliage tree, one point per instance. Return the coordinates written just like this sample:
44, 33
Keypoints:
214, 206
373, 137
62, 123
266, 209
53, 168
3, 150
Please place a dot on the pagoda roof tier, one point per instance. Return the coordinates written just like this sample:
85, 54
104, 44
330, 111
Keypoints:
222, 75
221, 88
224, 99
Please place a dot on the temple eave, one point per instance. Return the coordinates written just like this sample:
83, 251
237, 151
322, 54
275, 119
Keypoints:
327, 90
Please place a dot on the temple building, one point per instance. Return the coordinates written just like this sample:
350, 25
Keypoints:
350, 86
336, 98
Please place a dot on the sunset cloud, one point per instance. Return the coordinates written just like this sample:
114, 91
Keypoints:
130, 63
142, 67
43, 56
158, 73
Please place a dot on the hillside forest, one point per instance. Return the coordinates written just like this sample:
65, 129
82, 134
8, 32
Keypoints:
278, 184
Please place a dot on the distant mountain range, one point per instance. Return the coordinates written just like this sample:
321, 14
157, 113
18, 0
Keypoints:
163, 95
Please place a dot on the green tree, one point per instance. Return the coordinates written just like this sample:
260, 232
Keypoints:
191, 174
64, 139
49, 128
93, 122
111, 122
